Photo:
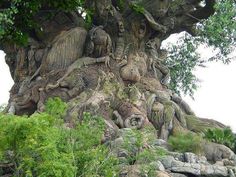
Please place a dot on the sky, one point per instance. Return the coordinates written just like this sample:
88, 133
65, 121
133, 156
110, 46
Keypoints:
215, 99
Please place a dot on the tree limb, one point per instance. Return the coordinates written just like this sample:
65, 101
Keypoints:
204, 12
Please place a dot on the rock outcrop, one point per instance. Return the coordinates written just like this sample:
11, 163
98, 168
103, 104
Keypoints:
154, 158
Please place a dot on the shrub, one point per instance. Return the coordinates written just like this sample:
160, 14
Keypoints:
221, 136
186, 142
41, 145
134, 144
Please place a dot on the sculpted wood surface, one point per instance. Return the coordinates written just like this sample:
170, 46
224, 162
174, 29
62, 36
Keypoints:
114, 69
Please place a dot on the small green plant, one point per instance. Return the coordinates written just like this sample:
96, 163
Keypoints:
134, 144
149, 155
186, 142
121, 4
221, 136
42, 145
137, 8
55, 107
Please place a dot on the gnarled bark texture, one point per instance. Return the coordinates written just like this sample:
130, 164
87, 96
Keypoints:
114, 69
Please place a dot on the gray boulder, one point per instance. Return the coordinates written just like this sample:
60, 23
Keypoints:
157, 165
161, 143
217, 152
214, 170
177, 175
190, 157
167, 161
181, 167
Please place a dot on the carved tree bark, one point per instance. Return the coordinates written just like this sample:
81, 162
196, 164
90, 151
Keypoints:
114, 69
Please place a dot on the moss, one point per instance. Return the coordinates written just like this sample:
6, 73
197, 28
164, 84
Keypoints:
197, 125
121, 94
109, 87
149, 133
113, 87
134, 94
169, 113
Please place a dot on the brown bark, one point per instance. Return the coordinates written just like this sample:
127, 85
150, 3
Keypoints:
114, 69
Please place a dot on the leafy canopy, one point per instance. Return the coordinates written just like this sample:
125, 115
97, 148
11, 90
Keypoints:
17, 16
217, 32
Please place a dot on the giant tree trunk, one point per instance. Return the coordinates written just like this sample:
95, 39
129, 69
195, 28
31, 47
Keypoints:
114, 69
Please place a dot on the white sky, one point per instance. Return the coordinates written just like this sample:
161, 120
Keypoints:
5, 80
215, 99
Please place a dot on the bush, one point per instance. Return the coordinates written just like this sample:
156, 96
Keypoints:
41, 145
186, 142
221, 136
136, 143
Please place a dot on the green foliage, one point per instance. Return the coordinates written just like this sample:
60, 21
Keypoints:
121, 4
133, 141
55, 107
186, 142
138, 8
219, 30
89, 17
221, 136
134, 144
17, 16
41, 145
150, 155
182, 60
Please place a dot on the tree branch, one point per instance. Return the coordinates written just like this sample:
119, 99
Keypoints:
204, 12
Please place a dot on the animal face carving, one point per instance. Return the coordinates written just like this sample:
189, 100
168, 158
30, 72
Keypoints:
99, 43
135, 69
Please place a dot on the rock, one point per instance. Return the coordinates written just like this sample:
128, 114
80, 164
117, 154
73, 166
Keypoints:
177, 156
111, 131
177, 175
214, 170
157, 165
123, 153
231, 173
192, 168
227, 162
128, 135
203, 160
161, 143
216, 152
117, 143
167, 161
141, 171
190, 157
163, 174
220, 163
